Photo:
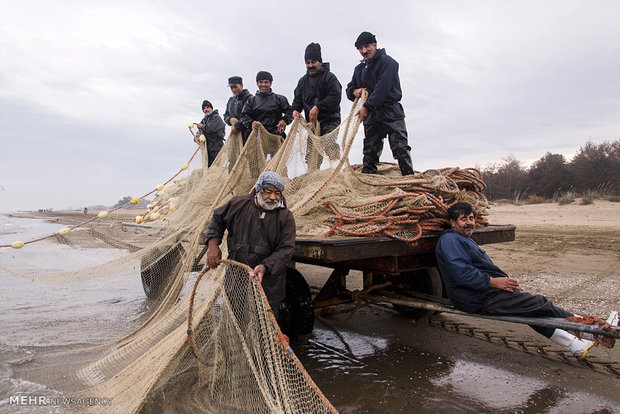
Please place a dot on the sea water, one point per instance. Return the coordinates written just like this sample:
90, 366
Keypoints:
37, 315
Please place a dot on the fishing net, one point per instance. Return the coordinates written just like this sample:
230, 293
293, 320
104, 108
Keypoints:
206, 341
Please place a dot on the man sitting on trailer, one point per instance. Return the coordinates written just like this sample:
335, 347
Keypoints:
261, 234
475, 285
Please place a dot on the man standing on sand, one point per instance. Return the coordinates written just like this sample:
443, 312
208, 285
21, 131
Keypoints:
213, 129
475, 285
382, 112
267, 108
235, 104
318, 94
261, 234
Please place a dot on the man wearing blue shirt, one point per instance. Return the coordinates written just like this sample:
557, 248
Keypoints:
475, 285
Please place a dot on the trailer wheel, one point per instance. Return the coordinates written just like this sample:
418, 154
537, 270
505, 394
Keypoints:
157, 267
425, 280
296, 316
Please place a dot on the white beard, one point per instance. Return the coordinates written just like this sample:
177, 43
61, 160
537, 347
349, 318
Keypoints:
267, 206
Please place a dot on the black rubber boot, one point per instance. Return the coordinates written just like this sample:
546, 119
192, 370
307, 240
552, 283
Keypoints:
406, 166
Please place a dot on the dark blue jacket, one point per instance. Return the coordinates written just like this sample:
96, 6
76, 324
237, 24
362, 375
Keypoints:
465, 270
380, 78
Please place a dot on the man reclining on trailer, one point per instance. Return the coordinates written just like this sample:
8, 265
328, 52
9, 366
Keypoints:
261, 234
475, 285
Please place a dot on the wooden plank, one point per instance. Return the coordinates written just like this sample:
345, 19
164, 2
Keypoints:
328, 252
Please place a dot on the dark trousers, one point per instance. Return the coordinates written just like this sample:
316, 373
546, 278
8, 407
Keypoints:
213, 148
375, 133
525, 304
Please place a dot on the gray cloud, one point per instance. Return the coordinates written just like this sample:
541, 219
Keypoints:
95, 97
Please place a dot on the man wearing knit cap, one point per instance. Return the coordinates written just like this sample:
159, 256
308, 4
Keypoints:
318, 94
382, 112
267, 108
261, 234
213, 129
235, 103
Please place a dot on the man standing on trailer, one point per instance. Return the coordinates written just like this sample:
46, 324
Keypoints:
382, 112
235, 104
267, 108
318, 95
475, 285
213, 129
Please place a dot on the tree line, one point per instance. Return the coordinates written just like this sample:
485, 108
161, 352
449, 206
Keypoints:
595, 169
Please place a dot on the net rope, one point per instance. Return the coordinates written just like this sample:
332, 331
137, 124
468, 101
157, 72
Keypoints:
207, 341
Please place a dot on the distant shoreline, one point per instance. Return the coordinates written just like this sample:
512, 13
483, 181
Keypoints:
73, 217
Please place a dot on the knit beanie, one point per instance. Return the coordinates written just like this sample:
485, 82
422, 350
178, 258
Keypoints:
206, 103
365, 38
313, 51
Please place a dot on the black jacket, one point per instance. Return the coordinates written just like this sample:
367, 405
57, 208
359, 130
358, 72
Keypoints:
380, 78
322, 90
268, 109
213, 128
235, 106
254, 240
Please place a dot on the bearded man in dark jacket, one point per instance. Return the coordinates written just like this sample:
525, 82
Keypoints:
261, 234
267, 108
213, 129
318, 94
235, 104
382, 112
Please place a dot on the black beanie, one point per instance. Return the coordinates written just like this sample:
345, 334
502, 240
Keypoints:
365, 38
313, 51
264, 75
205, 104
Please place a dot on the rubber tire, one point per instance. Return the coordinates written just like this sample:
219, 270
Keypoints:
296, 317
425, 280
156, 270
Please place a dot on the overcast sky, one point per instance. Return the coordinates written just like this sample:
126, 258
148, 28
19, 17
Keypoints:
95, 96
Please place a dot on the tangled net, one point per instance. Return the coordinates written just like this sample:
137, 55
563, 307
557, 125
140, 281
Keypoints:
229, 355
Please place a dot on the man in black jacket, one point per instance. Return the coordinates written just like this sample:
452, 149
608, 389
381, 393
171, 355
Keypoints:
267, 108
382, 112
261, 234
318, 94
235, 103
213, 129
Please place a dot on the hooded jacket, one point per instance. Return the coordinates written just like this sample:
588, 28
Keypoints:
253, 240
322, 90
235, 106
379, 76
213, 129
268, 109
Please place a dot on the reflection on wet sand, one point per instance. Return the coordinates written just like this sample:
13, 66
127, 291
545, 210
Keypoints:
367, 374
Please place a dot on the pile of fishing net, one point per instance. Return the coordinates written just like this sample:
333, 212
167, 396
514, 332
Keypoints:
207, 341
